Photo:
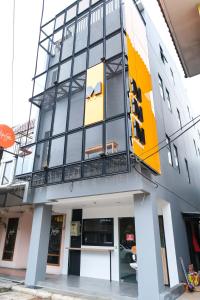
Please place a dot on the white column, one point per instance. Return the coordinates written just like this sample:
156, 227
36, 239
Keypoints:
66, 242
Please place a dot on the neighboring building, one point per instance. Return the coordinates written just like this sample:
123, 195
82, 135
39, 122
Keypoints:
99, 183
183, 20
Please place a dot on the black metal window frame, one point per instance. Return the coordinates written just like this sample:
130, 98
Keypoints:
43, 175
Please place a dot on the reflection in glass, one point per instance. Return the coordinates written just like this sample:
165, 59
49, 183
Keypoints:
68, 41
79, 63
41, 154
113, 46
96, 24
56, 154
65, 70
115, 136
112, 16
95, 55
81, 33
93, 142
74, 147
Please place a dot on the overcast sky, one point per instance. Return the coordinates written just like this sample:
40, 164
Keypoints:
27, 20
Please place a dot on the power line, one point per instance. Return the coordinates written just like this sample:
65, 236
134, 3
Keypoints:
12, 64
171, 140
171, 135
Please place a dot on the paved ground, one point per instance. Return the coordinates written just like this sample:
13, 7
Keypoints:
189, 296
16, 296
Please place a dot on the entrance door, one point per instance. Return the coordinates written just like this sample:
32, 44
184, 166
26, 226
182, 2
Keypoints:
11, 234
126, 242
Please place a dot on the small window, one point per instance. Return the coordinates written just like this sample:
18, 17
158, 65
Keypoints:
168, 141
162, 55
172, 74
189, 114
176, 159
65, 70
195, 147
74, 147
168, 100
95, 55
56, 154
113, 46
96, 24
79, 63
83, 5
98, 232
71, 13
160, 82
81, 33
187, 170
179, 118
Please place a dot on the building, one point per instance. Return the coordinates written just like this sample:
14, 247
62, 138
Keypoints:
109, 172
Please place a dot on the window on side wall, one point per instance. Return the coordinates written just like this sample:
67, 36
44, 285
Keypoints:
160, 82
162, 55
169, 149
168, 100
195, 147
179, 118
187, 170
176, 159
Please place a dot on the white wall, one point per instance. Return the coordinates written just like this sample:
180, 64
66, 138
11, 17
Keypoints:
97, 265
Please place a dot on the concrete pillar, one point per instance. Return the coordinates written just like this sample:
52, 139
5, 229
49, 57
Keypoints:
150, 274
38, 249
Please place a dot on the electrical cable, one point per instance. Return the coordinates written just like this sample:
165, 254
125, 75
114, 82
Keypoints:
170, 135
171, 140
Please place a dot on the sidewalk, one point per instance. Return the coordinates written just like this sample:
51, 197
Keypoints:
190, 296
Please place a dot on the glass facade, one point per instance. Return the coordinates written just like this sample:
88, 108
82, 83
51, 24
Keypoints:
86, 34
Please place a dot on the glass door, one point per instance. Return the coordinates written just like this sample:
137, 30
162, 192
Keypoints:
127, 247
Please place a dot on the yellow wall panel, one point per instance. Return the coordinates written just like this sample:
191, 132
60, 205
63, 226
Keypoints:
94, 107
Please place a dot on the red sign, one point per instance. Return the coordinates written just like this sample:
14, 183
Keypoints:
7, 136
129, 237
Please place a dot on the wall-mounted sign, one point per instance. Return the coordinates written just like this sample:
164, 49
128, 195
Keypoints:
144, 129
94, 94
7, 136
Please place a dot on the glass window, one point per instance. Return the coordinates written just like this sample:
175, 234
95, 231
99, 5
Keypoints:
179, 118
187, 169
55, 47
52, 77
60, 20
41, 154
168, 141
7, 173
176, 158
11, 234
115, 136
65, 70
160, 82
71, 13
93, 142
74, 147
81, 33
39, 84
96, 24
56, 154
60, 116
195, 147
113, 46
168, 100
77, 103
114, 91
98, 232
83, 4
25, 162
112, 16
95, 55
79, 63
45, 116
68, 41
55, 239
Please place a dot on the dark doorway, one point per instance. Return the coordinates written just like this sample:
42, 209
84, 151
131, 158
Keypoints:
11, 234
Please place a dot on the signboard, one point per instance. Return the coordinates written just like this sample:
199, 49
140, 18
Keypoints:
7, 136
144, 128
94, 94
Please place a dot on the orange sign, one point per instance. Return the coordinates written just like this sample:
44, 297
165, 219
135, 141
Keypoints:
7, 136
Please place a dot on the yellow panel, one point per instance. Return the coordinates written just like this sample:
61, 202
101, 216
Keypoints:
94, 107
140, 73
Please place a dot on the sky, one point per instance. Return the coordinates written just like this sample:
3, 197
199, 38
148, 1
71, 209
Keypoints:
26, 32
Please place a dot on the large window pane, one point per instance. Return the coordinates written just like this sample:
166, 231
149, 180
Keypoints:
112, 16
60, 20
57, 149
96, 24
61, 108
114, 91
46, 115
71, 13
93, 142
81, 33
68, 41
55, 47
79, 63
25, 162
83, 4
96, 53
52, 77
7, 172
65, 70
115, 136
77, 102
74, 147
113, 46
41, 154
